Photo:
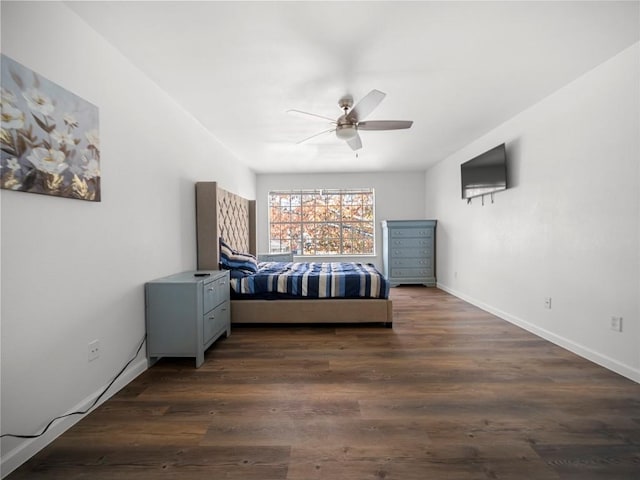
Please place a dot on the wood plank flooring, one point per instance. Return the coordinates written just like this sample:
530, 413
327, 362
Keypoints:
451, 392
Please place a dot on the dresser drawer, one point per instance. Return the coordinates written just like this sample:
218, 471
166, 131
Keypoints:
215, 321
411, 242
411, 232
411, 262
410, 252
411, 272
215, 292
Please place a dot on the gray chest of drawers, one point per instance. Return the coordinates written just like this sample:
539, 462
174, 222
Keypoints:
185, 314
409, 248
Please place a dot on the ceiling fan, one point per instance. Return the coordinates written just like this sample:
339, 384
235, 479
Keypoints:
351, 121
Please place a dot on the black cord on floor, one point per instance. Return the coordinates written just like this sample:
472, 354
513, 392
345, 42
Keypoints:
81, 412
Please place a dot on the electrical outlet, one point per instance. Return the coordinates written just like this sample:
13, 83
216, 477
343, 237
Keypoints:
616, 324
547, 302
94, 350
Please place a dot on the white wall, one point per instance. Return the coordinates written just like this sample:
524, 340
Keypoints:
569, 226
73, 271
398, 196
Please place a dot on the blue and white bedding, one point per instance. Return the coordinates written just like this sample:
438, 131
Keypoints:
312, 280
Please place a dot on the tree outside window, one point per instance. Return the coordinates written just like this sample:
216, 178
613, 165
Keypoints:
322, 222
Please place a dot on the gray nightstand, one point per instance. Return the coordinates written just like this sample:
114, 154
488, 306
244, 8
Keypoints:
185, 314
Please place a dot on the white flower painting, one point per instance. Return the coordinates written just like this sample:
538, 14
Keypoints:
49, 140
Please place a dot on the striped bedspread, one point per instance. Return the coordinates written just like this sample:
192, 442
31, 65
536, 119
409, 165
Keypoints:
315, 280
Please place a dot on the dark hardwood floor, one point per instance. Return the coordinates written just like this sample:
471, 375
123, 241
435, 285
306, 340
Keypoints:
451, 392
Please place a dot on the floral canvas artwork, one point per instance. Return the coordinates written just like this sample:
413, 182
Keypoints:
49, 138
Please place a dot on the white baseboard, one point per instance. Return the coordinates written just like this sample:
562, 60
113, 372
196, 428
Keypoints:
596, 357
28, 448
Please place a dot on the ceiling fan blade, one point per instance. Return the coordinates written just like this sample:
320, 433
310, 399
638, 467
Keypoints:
316, 135
365, 106
355, 143
385, 124
332, 120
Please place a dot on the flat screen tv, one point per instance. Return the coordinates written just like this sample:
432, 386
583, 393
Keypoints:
485, 174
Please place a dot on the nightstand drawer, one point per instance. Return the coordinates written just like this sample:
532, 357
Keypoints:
216, 291
215, 321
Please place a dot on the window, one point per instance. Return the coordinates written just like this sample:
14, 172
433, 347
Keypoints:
322, 222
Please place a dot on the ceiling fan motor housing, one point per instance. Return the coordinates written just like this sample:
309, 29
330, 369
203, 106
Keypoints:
345, 103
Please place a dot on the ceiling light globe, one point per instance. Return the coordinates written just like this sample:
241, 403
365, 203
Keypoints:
346, 132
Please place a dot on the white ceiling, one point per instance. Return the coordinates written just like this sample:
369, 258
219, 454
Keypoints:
457, 69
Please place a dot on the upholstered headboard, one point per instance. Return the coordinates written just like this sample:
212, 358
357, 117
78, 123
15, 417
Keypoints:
220, 213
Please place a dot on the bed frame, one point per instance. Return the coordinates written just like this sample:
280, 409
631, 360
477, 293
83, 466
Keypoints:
220, 213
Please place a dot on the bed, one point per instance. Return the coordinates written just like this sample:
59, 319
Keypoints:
224, 215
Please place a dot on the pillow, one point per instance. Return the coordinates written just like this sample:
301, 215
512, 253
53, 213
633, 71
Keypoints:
231, 259
237, 273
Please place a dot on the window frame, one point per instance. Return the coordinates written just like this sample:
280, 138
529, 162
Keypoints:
303, 224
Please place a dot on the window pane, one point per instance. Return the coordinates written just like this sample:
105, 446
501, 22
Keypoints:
367, 212
273, 213
308, 239
294, 236
308, 208
296, 213
275, 231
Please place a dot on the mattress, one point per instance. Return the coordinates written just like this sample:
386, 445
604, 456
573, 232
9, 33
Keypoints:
311, 280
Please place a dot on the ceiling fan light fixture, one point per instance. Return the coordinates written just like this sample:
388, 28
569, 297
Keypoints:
352, 120
346, 132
